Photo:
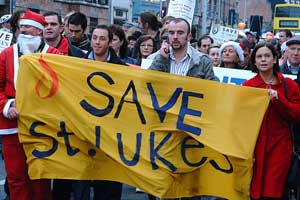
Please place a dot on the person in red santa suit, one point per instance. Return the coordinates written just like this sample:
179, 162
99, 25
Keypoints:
28, 41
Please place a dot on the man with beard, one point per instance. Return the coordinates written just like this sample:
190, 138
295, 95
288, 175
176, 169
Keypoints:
178, 57
29, 41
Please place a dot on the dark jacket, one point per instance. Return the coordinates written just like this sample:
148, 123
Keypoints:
237, 66
75, 52
285, 69
83, 44
114, 59
128, 60
66, 48
298, 79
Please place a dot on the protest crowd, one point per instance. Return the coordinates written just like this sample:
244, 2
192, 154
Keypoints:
172, 49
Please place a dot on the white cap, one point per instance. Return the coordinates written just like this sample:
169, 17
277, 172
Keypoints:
5, 18
236, 46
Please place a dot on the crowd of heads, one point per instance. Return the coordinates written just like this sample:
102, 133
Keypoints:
139, 42
169, 42
240, 54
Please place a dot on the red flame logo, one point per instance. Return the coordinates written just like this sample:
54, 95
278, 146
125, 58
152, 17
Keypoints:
54, 80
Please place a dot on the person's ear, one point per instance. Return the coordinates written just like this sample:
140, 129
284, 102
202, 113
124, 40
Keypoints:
146, 25
61, 28
190, 36
40, 32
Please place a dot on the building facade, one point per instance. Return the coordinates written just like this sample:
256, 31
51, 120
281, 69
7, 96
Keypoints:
217, 11
97, 11
231, 12
4, 7
140, 6
121, 11
263, 8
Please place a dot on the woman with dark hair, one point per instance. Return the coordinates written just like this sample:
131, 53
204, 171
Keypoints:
120, 45
273, 151
149, 25
145, 46
14, 24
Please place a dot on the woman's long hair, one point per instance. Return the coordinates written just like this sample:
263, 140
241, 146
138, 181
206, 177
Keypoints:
118, 31
274, 53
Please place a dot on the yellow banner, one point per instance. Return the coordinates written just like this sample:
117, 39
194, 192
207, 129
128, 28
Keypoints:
171, 136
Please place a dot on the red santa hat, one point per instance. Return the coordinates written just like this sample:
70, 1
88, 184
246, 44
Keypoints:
33, 19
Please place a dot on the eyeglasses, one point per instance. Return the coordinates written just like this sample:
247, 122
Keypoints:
147, 45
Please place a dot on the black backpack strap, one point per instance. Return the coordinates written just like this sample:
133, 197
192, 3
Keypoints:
292, 127
298, 78
285, 88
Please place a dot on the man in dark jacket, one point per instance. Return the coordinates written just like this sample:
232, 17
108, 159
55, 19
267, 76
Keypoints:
101, 51
103, 190
53, 37
292, 66
77, 24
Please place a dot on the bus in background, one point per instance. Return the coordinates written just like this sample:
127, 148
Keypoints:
286, 16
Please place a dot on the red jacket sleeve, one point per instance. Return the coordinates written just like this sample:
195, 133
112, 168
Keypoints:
3, 97
289, 107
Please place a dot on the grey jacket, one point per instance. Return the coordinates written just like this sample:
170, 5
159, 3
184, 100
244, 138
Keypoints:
200, 65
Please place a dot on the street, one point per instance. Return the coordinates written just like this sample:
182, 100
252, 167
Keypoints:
128, 193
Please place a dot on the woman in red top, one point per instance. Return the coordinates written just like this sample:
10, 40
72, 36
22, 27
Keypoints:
273, 147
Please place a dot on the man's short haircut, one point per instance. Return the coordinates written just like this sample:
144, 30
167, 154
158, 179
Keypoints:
150, 18
204, 37
51, 13
177, 20
245, 44
213, 46
288, 33
78, 18
104, 27
167, 18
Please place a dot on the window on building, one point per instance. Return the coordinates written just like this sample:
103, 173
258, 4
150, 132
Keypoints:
98, 3
34, 10
103, 2
119, 13
93, 23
